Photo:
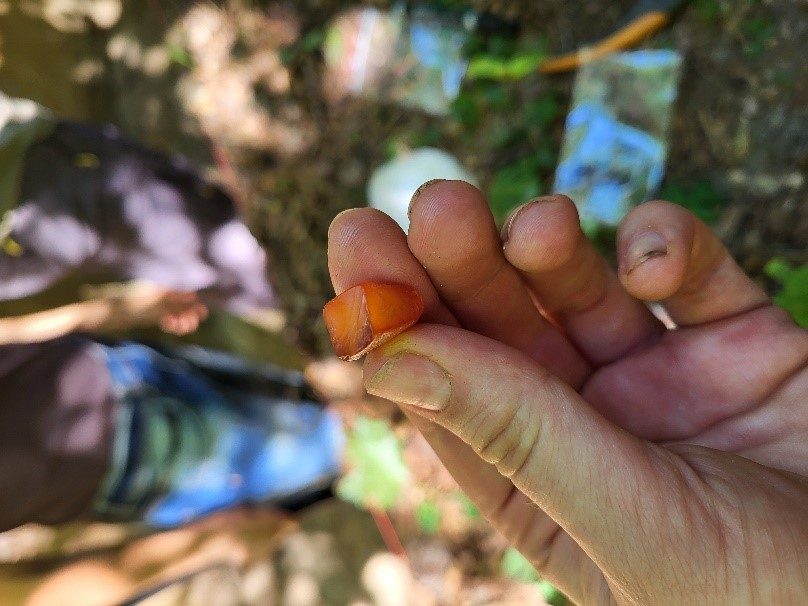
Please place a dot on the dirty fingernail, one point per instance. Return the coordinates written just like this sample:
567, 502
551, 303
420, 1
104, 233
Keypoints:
644, 246
419, 191
509, 222
411, 379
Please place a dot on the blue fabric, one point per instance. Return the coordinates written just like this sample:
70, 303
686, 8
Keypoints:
188, 448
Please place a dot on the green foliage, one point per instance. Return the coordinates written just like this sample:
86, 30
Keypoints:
466, 110
552, 595
449, 5
312, 40
604, 237
179, 55
793, 297
511, 68
505, 135
478, 45
308, 43
515, 566
516, 183
377, 471
701, 199
708, 10
495, 95
536, 118
428, 516
546, 154
758, 31
475, 100
513, 185
543, 111
393, 146
504, 57
469, 508
431, 136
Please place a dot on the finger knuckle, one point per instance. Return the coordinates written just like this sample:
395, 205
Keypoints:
508, 442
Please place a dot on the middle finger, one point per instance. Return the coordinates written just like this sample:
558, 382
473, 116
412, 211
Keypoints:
453, 235
544, 241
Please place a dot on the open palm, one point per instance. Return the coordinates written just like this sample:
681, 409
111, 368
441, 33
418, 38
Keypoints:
678, 475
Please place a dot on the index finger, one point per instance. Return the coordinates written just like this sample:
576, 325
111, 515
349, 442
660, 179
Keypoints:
366, 245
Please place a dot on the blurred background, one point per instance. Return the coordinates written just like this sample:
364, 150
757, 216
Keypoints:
299, 110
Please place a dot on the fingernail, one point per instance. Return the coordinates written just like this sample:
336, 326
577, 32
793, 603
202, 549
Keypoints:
644, 246
411, 379
505, 234
419, 191
506, 229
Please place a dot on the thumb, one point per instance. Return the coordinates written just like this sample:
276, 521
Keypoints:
602, 485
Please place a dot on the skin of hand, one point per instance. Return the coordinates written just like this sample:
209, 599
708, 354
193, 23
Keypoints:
120, 308
146, 304
629, 463
335, 380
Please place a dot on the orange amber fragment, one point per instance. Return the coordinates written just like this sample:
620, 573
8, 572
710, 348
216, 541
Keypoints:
367, 315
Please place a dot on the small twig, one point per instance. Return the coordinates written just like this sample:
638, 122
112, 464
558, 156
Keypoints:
388, 532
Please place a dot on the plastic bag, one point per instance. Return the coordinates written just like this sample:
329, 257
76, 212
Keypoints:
615, 142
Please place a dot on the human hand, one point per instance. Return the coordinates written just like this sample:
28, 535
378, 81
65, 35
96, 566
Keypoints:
628, 462
146, 304
335, 380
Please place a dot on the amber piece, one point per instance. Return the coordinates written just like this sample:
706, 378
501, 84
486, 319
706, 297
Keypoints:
367, 315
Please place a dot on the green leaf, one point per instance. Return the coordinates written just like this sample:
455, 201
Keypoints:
793, 297
498, 68
394, 145
179, 55
546, 154
312, 40
308, 43
701, 199
466, 110
708, 10
516, 566
758, 30
495, 95
501, 46
429, 517
603, 237
543, 111
552, 595
469, 508
506, 136
377, 471
513, 185
431, 136
778, 269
